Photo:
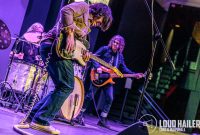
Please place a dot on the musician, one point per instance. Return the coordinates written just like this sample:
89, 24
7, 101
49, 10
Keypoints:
112, 54
74, 22
27, 47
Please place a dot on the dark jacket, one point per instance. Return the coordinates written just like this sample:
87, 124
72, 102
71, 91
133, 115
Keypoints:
106, 53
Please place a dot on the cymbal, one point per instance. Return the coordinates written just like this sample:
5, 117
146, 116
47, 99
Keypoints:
33, 37
5, 36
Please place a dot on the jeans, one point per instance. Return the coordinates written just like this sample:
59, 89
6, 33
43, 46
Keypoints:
108, 92
62, 74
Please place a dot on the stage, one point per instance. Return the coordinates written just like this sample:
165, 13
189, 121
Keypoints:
8, 118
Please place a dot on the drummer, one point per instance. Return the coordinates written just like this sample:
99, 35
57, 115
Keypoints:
27, 49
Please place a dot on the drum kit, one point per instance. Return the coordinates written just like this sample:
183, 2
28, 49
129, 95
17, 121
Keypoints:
23, 80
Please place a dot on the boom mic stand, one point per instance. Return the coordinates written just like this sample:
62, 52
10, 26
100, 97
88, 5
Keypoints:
155, 38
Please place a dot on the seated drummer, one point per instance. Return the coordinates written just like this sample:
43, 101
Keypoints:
27, 48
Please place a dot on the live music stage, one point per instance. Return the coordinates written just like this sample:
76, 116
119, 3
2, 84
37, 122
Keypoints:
134, 69
9, 118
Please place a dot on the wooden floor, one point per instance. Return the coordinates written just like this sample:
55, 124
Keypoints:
8, 118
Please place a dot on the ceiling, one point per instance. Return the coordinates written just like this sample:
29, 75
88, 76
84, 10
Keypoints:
165, 3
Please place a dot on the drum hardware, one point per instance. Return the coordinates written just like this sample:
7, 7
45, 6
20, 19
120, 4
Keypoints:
9, 86
27, 94
3, 84
31, 104
76, 99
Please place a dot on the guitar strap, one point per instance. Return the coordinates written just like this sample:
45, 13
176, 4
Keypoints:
117, 60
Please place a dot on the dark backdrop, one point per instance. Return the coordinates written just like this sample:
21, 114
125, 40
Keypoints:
131, 20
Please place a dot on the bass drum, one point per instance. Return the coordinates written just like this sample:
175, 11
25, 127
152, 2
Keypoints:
21, 75
74, 102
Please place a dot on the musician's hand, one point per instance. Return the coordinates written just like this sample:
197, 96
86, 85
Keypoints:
86, 56
139, 75
117, 72
70, 43
38, 57
20, 56
99, 70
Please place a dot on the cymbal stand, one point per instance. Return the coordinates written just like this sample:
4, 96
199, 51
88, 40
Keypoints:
32, 103
3, 87
27, 94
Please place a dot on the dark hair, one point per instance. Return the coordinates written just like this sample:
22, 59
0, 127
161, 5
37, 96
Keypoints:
100, 9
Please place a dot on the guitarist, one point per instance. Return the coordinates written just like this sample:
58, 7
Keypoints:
112, 54
75, 22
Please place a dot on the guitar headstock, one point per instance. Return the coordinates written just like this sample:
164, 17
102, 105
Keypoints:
119, 73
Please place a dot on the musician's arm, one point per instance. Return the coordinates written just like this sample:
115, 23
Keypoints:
124, 69
68, 13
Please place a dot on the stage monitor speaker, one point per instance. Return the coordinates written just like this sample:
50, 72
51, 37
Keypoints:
140, 129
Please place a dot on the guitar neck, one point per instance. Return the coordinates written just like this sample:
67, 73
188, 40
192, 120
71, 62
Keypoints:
92, 56
124, 75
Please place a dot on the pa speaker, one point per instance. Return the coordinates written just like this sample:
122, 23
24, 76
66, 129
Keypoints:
135, 129
140, 129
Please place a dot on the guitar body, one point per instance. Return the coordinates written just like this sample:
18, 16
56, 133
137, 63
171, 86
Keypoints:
99, 80
79, 49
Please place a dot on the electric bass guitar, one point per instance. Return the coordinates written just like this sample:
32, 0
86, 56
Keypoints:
101, 79
78, 52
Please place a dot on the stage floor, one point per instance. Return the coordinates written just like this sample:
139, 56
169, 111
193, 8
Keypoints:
8, 118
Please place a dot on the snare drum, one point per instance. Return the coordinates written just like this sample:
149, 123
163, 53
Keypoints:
21, 75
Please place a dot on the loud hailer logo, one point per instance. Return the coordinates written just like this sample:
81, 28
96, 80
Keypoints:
178, 125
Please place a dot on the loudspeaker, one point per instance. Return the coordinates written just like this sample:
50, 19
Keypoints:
141, 129
135, 129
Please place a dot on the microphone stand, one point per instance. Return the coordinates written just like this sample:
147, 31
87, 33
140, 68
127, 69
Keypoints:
156, 36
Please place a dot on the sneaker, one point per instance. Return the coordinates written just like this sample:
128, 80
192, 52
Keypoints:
48, 129
103, 122
22, 126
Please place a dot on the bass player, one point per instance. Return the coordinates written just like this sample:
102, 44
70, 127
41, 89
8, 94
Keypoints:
112, 54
